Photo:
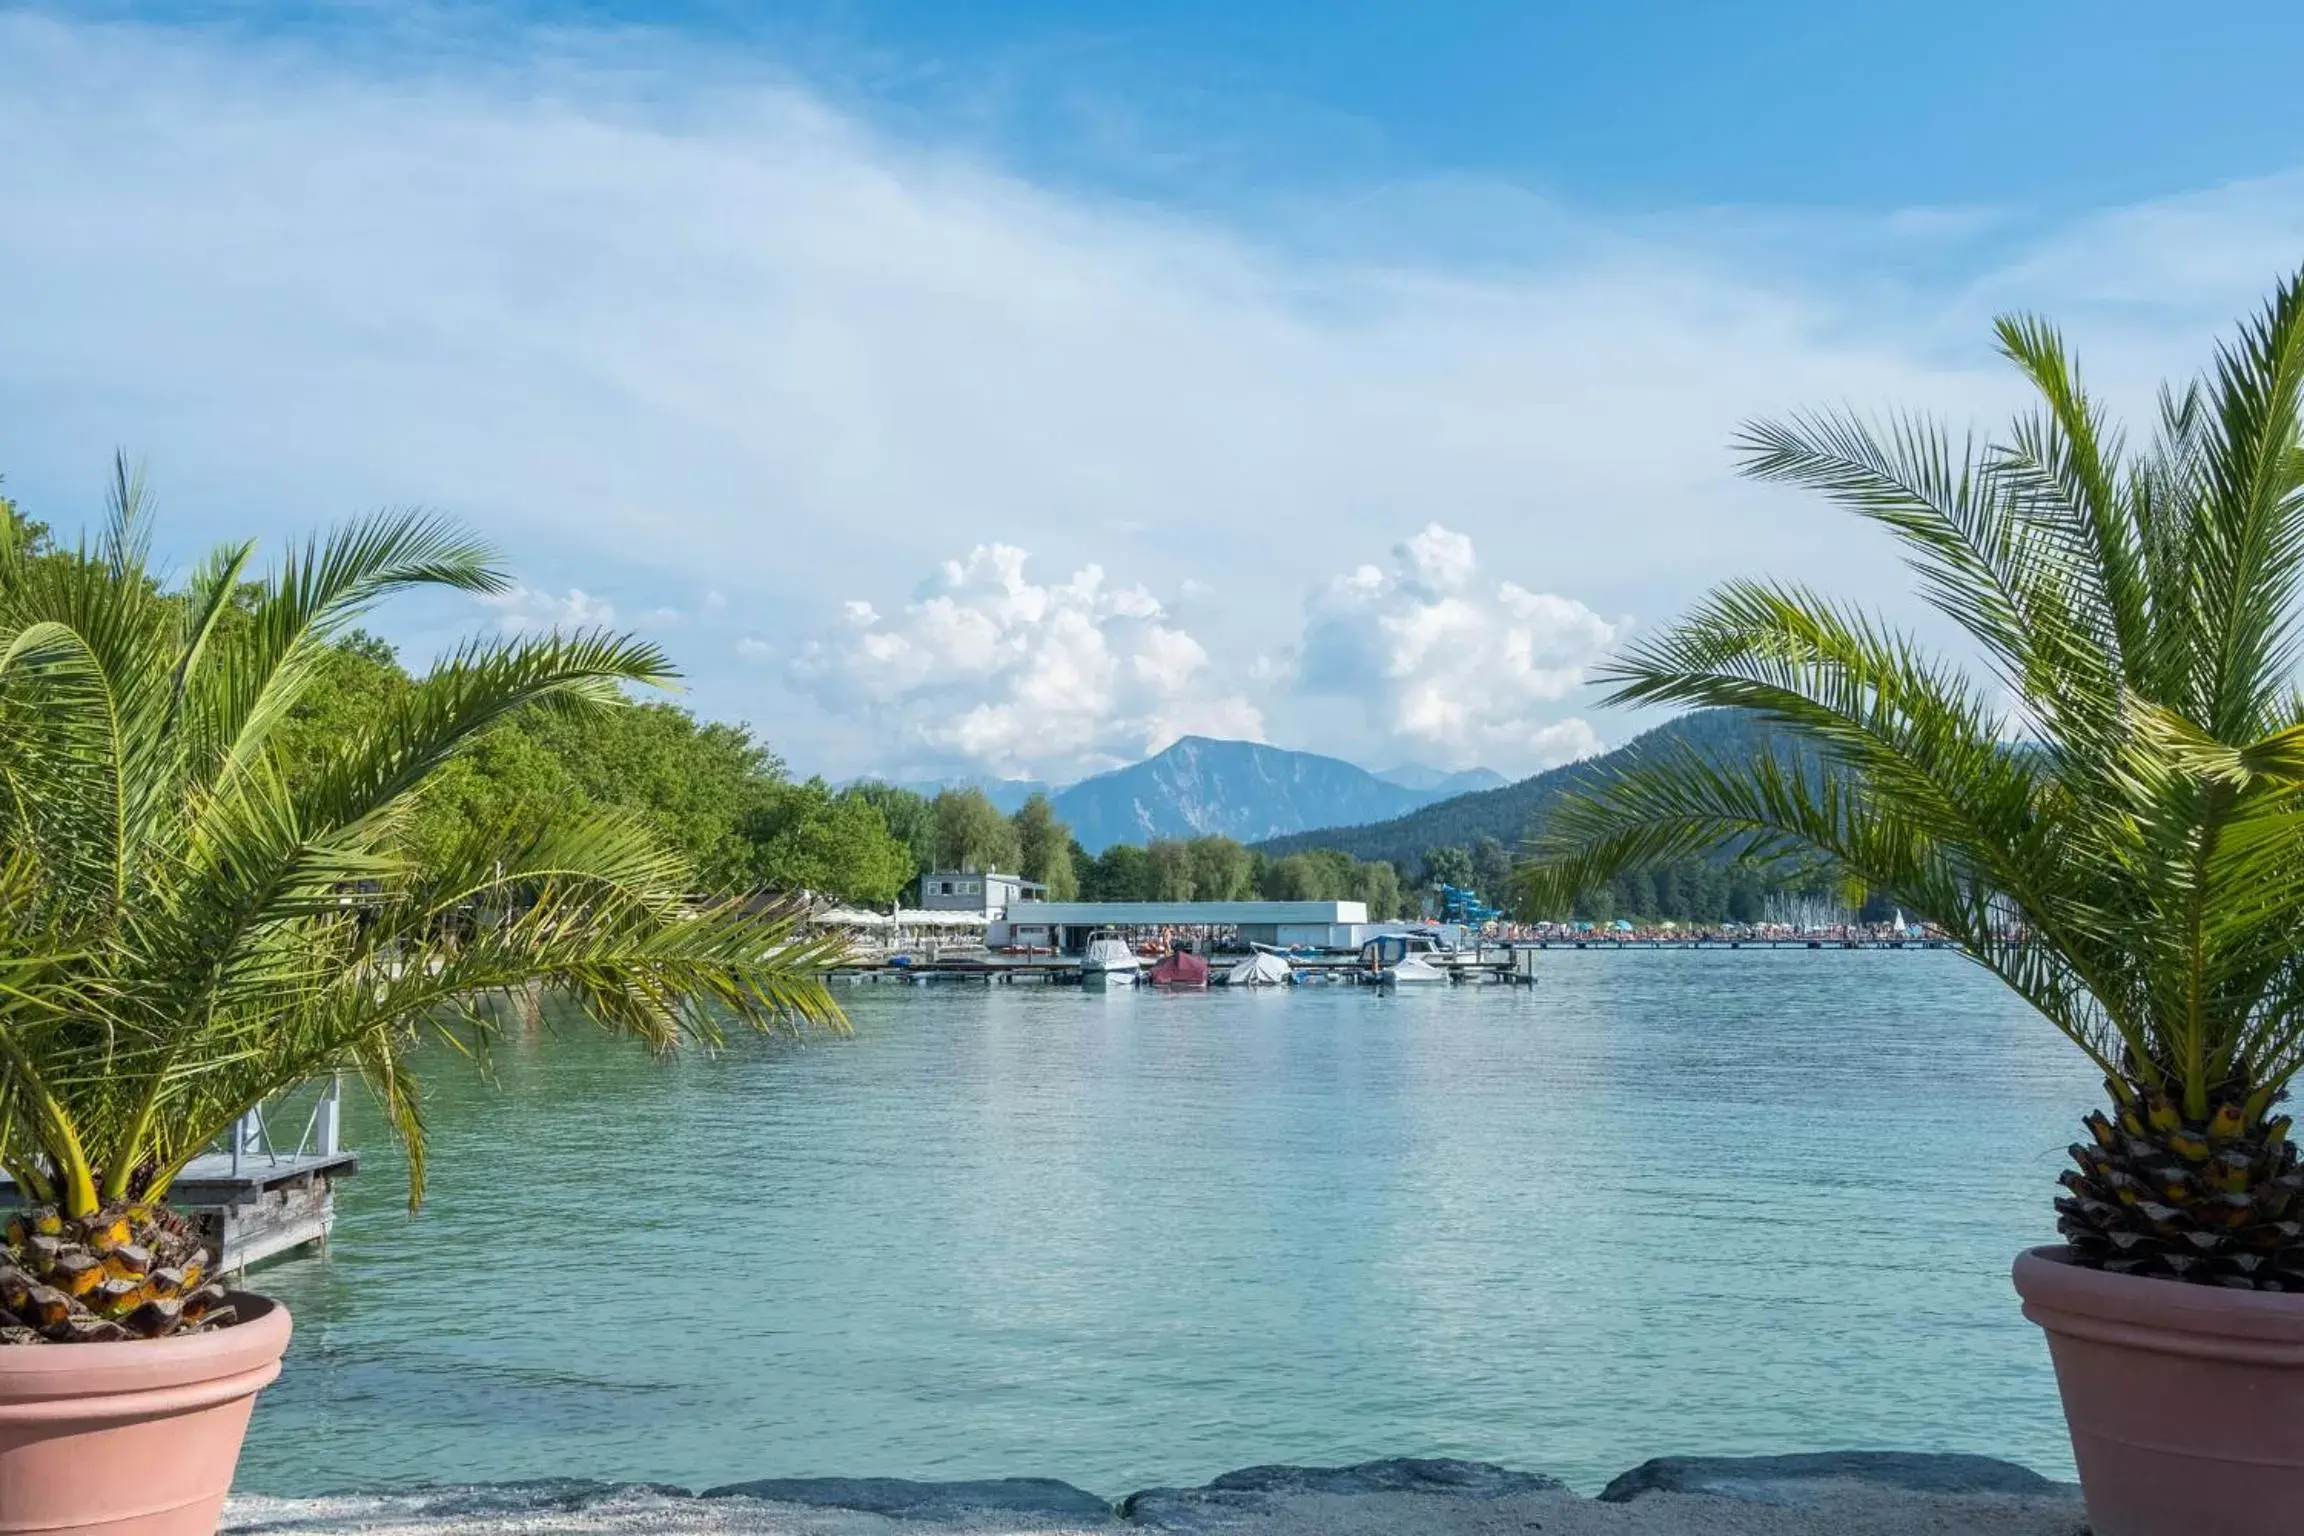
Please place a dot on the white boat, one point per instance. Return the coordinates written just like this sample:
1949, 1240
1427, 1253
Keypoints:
1412, 969
1397, 959
1109, 962
1261, 969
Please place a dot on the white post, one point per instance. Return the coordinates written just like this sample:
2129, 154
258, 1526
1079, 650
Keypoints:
245, 1131
331, 1114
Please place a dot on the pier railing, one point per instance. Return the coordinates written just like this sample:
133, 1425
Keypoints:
252, 1137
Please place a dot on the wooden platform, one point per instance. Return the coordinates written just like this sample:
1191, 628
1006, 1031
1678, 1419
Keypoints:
258, 1206
268, 1207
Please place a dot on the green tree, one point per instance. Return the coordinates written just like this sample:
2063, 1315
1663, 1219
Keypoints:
1222, 869
1378, 884
1297, 877
1122, 872
185, 932
689, 780
1492, 871
971, 834
805, 837
1044, 848
1334, 881
2133, 868
910, 818
1448, 866
1171, 864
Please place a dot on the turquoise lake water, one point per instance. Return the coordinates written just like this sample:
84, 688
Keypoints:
1714, 1202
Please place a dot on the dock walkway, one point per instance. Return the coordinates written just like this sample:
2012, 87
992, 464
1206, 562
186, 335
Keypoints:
254, 1200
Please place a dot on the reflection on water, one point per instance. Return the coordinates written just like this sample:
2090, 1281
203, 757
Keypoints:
1724, 1202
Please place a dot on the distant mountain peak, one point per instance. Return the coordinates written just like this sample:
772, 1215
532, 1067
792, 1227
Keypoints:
1440, 780
1202, 785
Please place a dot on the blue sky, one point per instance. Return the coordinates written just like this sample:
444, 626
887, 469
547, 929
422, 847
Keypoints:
1008, 387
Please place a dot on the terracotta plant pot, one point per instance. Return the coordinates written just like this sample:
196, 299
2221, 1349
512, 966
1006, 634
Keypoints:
2185, 1402
134, 1439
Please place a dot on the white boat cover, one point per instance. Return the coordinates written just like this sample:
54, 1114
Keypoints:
1110, 955
1259, 970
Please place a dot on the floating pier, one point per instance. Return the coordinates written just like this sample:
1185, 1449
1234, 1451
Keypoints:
1494, 964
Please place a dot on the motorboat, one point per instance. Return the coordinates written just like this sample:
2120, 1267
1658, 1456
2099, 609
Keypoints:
1179, 968
1399, 959
1109, 962
1261, 969
1412, 969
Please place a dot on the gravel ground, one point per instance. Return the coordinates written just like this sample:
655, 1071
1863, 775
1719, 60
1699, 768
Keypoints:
1832, 1495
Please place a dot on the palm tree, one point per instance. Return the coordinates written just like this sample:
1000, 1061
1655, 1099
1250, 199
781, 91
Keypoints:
187, 931
2109, 821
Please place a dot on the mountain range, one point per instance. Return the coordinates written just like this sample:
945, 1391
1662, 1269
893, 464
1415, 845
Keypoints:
1507, 812
1286, 802
1240, 789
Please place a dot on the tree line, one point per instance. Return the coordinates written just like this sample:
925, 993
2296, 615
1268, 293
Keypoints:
727, 802
961, 829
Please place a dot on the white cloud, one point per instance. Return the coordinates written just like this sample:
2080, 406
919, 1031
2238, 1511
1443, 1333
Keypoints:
752, 648
986, 667
1463, 671
523, 609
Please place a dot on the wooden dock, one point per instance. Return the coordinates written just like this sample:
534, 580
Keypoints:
265, 1208
254, 1200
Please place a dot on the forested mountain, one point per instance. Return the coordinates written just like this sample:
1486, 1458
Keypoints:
1242, 789
1505, 814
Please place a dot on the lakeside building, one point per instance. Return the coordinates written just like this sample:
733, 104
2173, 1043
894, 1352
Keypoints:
984, 892
1064, 926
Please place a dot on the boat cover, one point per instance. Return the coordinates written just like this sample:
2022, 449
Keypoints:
1259, 970
1180, 969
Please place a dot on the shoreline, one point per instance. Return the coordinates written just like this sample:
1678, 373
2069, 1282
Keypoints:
1848, 1493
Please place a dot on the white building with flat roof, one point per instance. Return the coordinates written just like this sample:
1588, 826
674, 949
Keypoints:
1064, 926
986, 892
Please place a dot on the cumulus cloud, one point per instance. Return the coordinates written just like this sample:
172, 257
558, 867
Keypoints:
1463, 670
986, 667
523, 609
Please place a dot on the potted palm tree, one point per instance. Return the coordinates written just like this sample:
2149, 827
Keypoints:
2110, 820
187, 931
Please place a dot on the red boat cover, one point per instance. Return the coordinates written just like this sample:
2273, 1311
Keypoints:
1181, 969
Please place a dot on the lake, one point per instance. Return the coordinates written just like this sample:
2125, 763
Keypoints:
1664, 1202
